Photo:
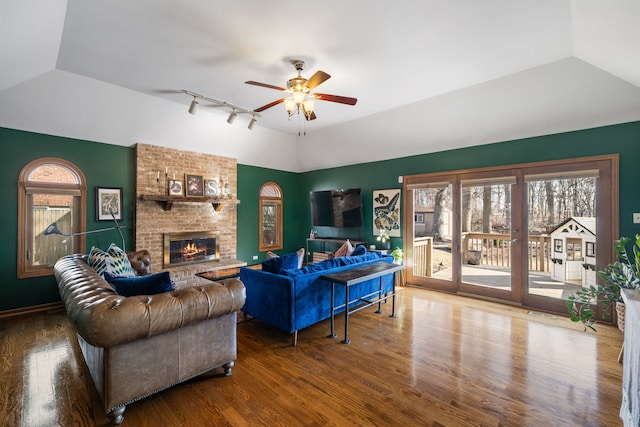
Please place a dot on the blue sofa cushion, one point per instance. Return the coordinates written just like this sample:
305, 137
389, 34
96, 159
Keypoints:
141, 285
358, 259
283, 262
359, 250
327, 264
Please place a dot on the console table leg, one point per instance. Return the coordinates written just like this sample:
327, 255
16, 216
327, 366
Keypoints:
393, 296
346, 339
333, 304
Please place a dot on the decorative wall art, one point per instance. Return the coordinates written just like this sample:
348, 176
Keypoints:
386, 212
211, 188
108, 204
175, 188
194, 185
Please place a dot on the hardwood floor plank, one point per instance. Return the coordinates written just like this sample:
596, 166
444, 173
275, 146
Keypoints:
442, 361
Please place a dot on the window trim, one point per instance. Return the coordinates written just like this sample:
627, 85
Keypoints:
25, 191
279, 202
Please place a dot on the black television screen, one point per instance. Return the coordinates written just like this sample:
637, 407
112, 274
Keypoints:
336, 208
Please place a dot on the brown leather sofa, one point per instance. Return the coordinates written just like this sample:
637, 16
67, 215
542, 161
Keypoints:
137, 346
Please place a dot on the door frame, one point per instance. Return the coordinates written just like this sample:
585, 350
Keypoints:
607, 223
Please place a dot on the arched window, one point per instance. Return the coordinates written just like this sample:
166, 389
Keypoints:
50, 191
270, 228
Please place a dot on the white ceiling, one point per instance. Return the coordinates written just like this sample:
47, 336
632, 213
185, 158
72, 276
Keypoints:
429, 75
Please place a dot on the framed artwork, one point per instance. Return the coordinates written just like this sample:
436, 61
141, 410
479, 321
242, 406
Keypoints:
211, 188
194, 185
386, 212
108, 203
175, 188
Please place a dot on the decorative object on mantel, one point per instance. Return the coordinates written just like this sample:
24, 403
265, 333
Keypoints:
194, 185
211, 188
175, 188
624, 273
234, 108
166, 202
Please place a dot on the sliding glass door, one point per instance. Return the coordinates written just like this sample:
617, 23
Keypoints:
527, 234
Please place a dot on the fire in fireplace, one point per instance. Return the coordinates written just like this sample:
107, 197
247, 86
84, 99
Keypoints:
191, 247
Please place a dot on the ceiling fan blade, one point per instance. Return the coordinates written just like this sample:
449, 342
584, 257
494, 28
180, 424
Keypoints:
251, 82
317, 79
335, 98
272, 104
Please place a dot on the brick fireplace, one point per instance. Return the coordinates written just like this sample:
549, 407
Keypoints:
190, 248
155, 167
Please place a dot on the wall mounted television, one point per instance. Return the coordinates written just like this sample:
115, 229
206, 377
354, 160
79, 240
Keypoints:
336, 208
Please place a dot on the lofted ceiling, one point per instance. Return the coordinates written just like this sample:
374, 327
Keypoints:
428, 75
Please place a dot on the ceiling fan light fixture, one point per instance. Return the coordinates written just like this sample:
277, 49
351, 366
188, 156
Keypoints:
289, 105
307, 105
298, 97
232, 117
194, 106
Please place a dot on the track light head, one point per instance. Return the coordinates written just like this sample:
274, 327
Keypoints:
252, 123
194, 106
232, 117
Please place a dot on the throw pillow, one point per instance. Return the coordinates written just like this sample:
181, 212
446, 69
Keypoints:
156, 283
345, 250
359, 250
284, 262
299, 253
114, 261
99, 260
120, 265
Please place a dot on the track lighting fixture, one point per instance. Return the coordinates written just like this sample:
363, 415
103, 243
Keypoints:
234, 109
252, 123
194, 106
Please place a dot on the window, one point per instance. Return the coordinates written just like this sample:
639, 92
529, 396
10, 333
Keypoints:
270, 227
50, 191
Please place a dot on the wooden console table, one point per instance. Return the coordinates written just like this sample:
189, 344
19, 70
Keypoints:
357, 275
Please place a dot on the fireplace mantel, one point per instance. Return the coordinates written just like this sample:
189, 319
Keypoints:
166, 202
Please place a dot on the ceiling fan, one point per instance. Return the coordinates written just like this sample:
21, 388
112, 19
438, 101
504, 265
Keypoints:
301, 98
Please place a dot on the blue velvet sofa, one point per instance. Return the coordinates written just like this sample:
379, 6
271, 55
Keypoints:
296, 298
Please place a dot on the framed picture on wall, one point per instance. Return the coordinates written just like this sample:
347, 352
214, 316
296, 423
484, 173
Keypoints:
386, 212
175, 188
108, 203
194, 185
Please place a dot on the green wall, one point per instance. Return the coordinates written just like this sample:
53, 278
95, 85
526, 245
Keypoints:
103, 165
113, 166
250, 179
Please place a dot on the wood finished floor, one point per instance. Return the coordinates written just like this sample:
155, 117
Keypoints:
443, 361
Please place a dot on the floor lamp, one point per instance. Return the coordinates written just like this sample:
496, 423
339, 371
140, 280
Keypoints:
53, 229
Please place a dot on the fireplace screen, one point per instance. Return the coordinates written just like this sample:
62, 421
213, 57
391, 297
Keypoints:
188, 248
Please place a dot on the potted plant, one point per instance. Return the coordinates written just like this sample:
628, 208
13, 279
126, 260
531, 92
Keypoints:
397, 255
624, 273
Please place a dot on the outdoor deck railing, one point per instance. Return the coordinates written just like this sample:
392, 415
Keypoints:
494, 249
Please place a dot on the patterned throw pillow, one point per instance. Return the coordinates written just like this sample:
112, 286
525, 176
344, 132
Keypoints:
114, 261
120, 265
99, 260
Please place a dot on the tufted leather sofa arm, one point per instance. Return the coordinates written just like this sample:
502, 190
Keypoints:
104, 318
140, 261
